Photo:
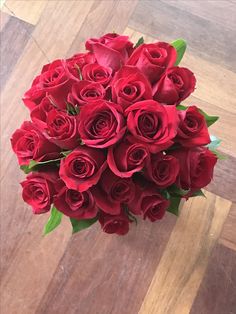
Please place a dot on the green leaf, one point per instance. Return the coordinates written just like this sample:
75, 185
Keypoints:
181, 107
180, 46
209, 119
198, 193
218, 154
175, 191
71, 109
139, 42
174, 205
53, 221
66, 153
215, 142
79, 225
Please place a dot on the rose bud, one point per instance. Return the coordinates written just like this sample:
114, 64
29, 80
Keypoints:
52, 80
175, 85
85, 92
129, 85
162, 170
118, 224
28, 143
149, 203
101, 124
127, 158
62, 129
82, 168
153, 59
97, 73
79, 205
110, 50
38, 190
152, 124
75, 64
192, 129
196, 167
112, 191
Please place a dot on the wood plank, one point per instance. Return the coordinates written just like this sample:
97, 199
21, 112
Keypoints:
10, 53
26, 10
208, 39
4, 17
180, 271
217, 291
228, 234
102, 273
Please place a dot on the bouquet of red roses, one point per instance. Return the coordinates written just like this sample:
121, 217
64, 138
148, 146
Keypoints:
108, 138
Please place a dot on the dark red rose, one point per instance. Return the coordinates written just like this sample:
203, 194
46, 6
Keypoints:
127, 158
54, 81
97, 73
39, 113
29, 143
111, 50
112, 191
38, 190
149, 203
153, 124
175, 85
84, 92
75, 64
196, 167
130, 85
62, 129
79, 205
114, 224
101, 124
162, 170
192, 129
82, 168
153, 59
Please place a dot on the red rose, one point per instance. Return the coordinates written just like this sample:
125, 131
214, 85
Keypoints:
82, 168
97, 73
112, 191
149, 203
114, 224
52, 80
111, 50
101, 124
175, 85
38, 190
196, 167
39, 113
153, 59
79, 205
153, 124
162, 170
192, 129
85, 92
130, 85
29, 143
62, 129
127, 158
75, 64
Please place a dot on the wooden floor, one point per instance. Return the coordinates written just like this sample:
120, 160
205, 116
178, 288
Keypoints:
176, 266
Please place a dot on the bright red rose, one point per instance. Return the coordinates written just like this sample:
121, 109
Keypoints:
192, 129
39, 113
101, 124
196, 167
79, 205
84, 92
52, 80
175, 85
129, 85
82, 168
38, 190
127, 158
97, 73
114, 224
162, 170
153, 59
75, 64
149, 203
29, 143
62, 129
153, 124
112, 191
110, 50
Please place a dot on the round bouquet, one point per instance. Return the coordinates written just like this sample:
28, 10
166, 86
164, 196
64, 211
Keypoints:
109, 140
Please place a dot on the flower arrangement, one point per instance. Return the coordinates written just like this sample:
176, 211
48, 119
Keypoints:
109, 139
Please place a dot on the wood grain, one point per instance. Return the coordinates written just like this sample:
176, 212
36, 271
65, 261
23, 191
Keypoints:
228, 234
